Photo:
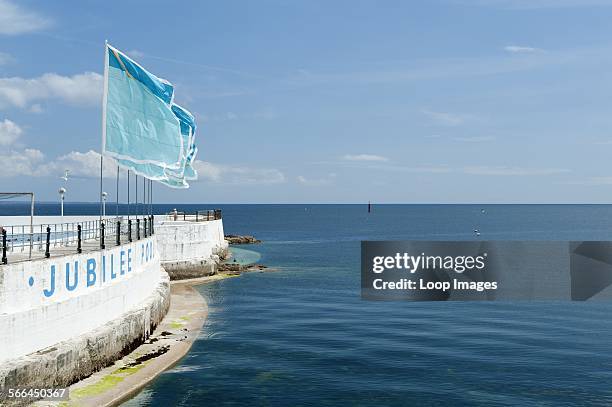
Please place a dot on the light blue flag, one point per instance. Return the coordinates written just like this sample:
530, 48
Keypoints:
140, 125
149, 171
190, 172
176, 178
144, 129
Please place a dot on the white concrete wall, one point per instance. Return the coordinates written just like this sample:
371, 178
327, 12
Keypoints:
189, 241
44, 302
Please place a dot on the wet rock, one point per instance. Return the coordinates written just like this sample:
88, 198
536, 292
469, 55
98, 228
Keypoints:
225, 267
238, 239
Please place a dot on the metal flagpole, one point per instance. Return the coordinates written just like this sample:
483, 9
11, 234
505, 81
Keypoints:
117, 197
146, 197
128, 194
104, 99
136, 185
31, 224
101, 157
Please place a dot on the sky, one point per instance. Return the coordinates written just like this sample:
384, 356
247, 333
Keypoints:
436, 101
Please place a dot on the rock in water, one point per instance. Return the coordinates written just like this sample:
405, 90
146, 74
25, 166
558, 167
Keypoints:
237, 239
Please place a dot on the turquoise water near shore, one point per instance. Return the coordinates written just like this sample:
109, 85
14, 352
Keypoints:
303, 336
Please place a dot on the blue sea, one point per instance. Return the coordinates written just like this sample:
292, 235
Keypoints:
303, 336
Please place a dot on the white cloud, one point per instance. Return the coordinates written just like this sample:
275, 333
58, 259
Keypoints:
419, 169
9, 132
512, 171
85, 88
87, 165
328, 180
208, 171
471, 170
364, 157
80, 165
445, 118
31, 162
516, 49
237, 175
16, 163
15, 19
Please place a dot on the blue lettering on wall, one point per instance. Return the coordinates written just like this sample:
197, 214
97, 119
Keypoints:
51, 290
91, 272
122, 263
113, 275
70, 287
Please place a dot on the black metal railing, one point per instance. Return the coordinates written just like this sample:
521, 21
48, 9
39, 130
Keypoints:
197, 216
21, 242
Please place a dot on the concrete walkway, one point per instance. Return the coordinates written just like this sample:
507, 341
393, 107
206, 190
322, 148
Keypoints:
167, 345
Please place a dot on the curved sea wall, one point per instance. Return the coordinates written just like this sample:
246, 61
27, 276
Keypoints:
190, 249
65, 317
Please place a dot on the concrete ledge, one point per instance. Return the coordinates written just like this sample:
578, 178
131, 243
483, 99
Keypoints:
187, 269
77, 358
181, 270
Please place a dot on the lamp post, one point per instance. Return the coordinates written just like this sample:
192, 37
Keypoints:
62, 192
104, 196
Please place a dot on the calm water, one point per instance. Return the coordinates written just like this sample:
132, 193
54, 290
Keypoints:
303, 336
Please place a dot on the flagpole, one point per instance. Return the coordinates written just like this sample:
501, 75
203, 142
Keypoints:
128, 194
144, 197
117, 200
104, 100
145, 201
101, 157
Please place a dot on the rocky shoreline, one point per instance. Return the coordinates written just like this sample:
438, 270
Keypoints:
241, 268
241, 239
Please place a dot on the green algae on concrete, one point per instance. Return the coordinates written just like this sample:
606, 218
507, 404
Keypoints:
106, 383
99, 387
176, 325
